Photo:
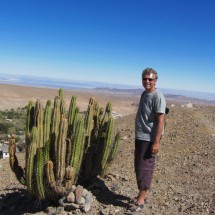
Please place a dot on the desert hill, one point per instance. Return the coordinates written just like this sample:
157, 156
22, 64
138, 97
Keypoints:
14, 96
183, 181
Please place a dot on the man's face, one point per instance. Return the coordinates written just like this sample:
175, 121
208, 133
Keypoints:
149, 82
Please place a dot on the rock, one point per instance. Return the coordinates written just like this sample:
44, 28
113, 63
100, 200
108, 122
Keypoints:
78, 194
59, 209
50, 210
110, 177
85, 192
70, 197
82, 201
86, 207
89, 198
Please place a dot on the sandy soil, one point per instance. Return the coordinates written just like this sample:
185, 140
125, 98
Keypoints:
13, 96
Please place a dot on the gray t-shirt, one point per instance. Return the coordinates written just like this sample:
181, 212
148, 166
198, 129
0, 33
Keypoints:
146, 118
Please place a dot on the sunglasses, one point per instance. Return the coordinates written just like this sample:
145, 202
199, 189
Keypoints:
149, 79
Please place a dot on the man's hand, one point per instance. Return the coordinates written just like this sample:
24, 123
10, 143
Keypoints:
155, 147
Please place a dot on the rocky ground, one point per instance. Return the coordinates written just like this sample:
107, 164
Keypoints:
183, 182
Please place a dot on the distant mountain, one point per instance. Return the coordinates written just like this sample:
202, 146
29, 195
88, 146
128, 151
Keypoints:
171, 95
75, 84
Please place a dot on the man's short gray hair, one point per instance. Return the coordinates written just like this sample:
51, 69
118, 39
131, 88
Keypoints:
149, 71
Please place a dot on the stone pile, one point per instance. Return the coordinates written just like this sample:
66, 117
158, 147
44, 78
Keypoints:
78, 199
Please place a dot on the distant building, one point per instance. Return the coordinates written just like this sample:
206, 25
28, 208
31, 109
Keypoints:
189, 105
4, 153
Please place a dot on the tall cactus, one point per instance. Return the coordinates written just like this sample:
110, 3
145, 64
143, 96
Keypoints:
62, 101
29, 124
89, 120
78, 147
61, 150
47, 121
47, 130
64, 148
72, 108
107, 143
29, 118
56, 116
31, 159
39, 166
114, 147
70, 147
38, 122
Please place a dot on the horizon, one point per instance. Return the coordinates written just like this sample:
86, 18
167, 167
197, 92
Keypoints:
69, 84
110, 41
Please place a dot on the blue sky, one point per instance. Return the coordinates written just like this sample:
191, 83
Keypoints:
111, 40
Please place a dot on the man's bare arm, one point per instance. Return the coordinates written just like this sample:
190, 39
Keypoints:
159, 131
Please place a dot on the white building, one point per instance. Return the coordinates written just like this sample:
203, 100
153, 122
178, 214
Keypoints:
4, 153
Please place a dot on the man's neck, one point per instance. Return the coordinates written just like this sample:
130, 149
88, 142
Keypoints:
149, 91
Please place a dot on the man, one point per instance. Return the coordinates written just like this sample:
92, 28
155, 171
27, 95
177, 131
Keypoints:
149, 125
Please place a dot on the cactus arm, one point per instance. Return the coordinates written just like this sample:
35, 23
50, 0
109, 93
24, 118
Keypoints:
89, 121
56, 116
77, 151
68, 150
62, 102
47, 127
69, 177
114, 147
59, 190
38, 117
61, 152
30, 160
107, 114
18, 170
108, 141
39, 174
71, 144
72, 108
50, 173
47, 121
29, 118
81, 141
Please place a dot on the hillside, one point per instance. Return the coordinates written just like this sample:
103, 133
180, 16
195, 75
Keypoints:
183, 181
